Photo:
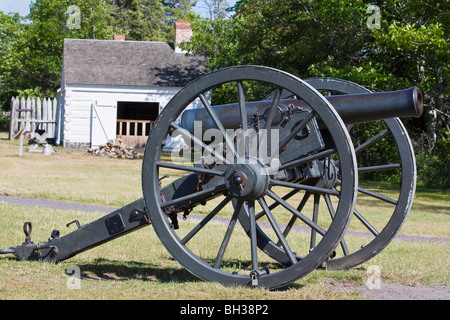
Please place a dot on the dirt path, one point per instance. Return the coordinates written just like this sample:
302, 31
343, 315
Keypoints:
393, 291
383, 291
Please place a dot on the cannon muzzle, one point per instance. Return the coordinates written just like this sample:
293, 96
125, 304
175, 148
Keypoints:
367, 107
353, 108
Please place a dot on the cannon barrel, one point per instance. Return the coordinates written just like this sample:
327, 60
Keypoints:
352, 108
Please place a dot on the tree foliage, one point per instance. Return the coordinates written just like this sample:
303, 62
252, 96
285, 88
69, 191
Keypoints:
10, 30
334, 38
148, 20
409, 47
33, 52
32, 47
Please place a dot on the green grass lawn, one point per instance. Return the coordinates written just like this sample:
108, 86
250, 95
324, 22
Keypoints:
137, 266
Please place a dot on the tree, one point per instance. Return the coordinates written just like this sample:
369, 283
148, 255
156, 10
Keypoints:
11, 30
148, 20
409, 47
32, 46
217, 9
33, 51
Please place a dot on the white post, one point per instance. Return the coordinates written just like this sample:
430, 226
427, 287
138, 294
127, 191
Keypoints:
21, 145
38, 109
21, 113
33, 114
12, 118
55, 107
28, 115
45, 114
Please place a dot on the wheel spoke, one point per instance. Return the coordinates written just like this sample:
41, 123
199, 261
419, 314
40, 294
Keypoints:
371, 141
380, 167
273, 109
243, 113
205, 220
276, 204
332, 213
197, 141
300, 186
218, 123
227, 237
277, 230
365, 223
368, 143
312, 243
377, 195
296, 212
188, 168
294, 217
249, 209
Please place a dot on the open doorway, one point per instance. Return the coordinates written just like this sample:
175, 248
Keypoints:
134, 121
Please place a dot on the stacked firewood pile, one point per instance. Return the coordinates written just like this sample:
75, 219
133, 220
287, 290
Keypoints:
115, 149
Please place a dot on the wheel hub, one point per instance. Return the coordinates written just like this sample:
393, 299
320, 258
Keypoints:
248, 180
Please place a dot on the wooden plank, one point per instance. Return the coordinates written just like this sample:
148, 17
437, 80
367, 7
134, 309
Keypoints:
21, 114
38, 109
35, 121
54, 108
44, 113
28, 114
49, 115
12, 118
33, 114
137, 131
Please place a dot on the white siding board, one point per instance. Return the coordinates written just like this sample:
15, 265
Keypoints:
78, 101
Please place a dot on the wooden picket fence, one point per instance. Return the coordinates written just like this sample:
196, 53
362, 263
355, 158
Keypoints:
30, 114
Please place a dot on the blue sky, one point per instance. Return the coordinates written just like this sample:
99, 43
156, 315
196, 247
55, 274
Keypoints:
22, 6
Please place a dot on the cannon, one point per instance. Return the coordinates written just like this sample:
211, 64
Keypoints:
270, 179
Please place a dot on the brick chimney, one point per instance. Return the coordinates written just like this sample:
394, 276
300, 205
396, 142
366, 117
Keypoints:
119, 37
183, 32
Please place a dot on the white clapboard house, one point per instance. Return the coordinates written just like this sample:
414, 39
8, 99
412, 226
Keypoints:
117, 88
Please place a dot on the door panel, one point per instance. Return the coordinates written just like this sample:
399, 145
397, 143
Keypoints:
103, 121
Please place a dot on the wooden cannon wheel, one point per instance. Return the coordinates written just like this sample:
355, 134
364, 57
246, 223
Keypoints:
224, 252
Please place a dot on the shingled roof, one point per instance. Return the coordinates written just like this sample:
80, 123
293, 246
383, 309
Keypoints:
128, 63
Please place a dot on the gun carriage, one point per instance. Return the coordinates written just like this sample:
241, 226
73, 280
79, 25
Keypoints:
276, 178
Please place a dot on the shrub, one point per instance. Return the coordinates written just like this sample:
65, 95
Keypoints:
433, 164
4, 122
